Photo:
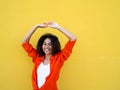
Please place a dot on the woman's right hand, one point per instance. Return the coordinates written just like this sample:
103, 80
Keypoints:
43, 25
54, 25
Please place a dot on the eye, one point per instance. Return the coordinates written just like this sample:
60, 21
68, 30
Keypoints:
44, 43
50, 44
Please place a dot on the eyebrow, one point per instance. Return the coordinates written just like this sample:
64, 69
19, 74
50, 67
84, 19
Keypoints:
47, 43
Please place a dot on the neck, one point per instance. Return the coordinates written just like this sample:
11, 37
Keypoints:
47, 57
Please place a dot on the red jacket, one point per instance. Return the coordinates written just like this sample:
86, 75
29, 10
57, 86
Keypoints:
56, 62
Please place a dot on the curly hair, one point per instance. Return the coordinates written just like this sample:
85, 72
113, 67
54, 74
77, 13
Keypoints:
56, 47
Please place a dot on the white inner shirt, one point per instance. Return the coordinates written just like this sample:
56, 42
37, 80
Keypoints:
42, 72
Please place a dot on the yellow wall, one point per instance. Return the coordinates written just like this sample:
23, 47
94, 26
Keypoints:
95, 62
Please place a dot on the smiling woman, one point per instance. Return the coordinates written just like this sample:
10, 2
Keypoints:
47, 46
49, 42
48, 58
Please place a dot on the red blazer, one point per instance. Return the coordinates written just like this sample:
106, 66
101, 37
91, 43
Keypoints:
56, 62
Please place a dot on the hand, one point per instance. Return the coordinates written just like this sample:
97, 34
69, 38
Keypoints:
43, 25
53, 25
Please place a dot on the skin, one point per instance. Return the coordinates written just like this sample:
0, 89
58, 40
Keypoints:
47, 48
53, 25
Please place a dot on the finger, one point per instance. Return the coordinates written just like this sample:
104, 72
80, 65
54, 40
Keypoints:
50, 23
45, 24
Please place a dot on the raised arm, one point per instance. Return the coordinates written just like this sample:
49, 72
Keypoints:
68, 34
30, 33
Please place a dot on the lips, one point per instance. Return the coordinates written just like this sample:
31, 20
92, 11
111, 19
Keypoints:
47, 49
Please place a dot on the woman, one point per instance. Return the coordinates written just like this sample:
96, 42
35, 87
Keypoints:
48, 58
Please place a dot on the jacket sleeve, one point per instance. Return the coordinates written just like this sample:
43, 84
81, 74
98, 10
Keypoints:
30, 50
67, 50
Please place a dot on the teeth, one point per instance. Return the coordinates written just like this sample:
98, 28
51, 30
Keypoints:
47, 49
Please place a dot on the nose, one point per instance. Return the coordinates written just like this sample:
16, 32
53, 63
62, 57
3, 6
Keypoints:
48, 45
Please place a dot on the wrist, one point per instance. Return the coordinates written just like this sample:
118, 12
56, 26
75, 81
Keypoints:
59, 28
36, 26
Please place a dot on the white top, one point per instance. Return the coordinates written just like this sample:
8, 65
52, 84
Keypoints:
42, 72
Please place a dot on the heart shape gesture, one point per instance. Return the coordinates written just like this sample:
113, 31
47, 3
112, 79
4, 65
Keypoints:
49, 24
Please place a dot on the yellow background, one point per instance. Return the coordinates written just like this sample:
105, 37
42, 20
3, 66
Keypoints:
95, 61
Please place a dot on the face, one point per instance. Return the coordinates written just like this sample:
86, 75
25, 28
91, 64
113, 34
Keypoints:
47, 46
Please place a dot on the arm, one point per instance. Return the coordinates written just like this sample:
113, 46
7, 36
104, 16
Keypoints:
30, 33
68, 34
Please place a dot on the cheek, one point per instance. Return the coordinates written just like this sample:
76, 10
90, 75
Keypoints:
51, 47
42, 46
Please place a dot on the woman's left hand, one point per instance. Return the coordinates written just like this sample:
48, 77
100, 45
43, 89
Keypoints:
53, 25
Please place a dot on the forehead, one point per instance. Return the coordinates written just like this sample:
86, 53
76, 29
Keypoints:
47, 40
